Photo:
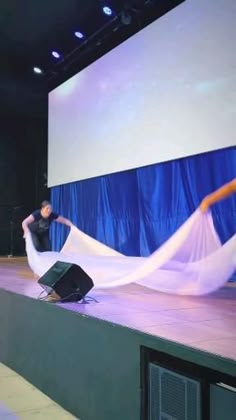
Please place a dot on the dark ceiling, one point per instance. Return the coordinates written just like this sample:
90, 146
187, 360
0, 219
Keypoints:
30, 30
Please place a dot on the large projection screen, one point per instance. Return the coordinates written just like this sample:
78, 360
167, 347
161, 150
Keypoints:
167, 92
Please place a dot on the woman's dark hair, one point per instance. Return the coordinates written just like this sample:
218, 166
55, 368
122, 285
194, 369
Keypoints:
45, 203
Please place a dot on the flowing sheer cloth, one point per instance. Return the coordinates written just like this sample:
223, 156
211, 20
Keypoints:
192, 262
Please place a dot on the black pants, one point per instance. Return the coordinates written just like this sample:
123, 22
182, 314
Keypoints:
41, 241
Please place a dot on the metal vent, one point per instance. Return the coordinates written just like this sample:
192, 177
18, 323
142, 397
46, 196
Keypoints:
192, 392
172, 396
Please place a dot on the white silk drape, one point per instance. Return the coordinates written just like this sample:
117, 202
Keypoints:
191, 262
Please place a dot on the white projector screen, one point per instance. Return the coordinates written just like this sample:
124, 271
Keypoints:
167, 92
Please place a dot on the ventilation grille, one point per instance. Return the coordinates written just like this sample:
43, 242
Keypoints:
172, 396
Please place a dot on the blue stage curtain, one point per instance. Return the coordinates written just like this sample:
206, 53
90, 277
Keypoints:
136, 211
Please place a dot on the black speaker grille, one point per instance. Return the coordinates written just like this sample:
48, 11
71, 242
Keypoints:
68, 280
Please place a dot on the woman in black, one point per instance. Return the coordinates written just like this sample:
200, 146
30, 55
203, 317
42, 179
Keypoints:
38, 223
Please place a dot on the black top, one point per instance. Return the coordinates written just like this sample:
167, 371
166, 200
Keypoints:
41, 224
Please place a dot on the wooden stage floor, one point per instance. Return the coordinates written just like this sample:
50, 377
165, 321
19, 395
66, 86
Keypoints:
203, 323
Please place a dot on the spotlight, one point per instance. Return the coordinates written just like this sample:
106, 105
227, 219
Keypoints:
107, 10
149, 2
55, 54
79, 35
37, 70
126, 17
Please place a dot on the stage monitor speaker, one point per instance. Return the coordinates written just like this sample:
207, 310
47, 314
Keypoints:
69, 281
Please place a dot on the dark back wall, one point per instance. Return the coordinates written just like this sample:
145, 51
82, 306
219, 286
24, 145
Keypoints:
23, 166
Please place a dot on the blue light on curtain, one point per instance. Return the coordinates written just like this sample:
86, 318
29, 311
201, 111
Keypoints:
136, 211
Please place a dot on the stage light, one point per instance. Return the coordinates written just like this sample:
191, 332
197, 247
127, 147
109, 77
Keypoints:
126, 17
37, 70
55, 54
107, 10
79, 35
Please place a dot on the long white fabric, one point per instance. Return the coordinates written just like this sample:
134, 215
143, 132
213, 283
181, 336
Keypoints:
191, 262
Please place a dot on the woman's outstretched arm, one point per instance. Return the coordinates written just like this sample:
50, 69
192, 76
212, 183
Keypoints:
218, 195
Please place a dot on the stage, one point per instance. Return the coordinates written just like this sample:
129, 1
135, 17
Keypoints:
105, 338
